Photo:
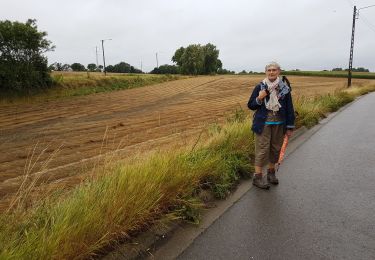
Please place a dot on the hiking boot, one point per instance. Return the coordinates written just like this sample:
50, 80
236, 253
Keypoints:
258, 182
271, 177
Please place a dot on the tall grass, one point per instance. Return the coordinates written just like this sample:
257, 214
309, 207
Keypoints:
127, 198
124, 199
311, 110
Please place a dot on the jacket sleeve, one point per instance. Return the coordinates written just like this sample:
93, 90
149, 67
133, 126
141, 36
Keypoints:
290, 117
253, 102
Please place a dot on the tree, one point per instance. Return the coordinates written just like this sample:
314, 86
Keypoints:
225, 71
135, 70
193, 60
78, 67
91, 67
166, 69
66, 67
22, 63
211, 61
219, 65
359, 69
177, 56
109, 68
122, 67
57, 66
197, 59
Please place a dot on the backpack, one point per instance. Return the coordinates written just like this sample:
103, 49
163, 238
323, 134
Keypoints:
286, 81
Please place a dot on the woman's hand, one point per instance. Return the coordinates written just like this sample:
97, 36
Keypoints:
289, 133
262, 94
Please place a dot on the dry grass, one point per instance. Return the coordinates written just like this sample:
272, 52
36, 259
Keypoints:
124, 198
137, 120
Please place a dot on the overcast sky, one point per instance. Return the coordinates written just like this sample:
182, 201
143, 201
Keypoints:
303, 34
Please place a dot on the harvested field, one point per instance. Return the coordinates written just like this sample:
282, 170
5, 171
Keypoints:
132, 121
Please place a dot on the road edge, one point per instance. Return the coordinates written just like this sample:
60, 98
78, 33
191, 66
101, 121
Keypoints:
170, 241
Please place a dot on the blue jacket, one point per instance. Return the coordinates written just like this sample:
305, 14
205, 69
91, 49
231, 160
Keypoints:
286, 111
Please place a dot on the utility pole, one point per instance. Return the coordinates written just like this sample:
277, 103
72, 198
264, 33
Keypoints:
355, 16
105, 72
157, 61
96, 52
141, 66
351, 48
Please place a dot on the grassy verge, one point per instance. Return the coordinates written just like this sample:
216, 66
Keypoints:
130, 197
334, 74
125, 198
311, 110
68, 84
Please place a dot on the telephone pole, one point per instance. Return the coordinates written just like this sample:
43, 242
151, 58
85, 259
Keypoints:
351, 48
105, 72
96, 52
157, 61
355, 16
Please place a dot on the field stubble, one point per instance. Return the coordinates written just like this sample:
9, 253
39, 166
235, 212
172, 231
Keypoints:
69, 132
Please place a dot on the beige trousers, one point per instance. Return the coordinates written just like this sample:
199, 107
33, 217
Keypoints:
268, 144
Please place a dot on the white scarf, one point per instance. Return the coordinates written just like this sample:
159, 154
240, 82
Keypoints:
273, 102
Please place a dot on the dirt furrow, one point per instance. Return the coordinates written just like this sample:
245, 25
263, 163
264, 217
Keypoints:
134, 120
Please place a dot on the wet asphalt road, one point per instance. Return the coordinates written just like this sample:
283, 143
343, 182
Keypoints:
324, 207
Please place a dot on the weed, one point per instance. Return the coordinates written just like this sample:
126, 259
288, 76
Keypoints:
238, 115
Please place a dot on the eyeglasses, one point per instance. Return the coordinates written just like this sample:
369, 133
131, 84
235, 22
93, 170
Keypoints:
273, 70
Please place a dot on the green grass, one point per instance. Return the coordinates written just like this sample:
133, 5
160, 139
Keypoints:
125, 198
311, 110
69, 84
335, 74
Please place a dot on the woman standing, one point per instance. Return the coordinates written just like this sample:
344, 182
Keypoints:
273, 118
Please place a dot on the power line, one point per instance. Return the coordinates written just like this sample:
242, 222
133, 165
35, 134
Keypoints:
368, 23
366, 7
355, 16
365, 20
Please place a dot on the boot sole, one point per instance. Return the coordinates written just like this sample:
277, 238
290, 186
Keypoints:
274, 183
263, 188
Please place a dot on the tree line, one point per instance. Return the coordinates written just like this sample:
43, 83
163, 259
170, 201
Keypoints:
24, 66
195, 59
121, 67
359, 69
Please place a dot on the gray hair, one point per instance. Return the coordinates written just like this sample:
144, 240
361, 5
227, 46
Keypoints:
273, 64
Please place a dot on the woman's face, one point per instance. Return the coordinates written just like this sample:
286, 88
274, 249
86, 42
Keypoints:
272, 73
